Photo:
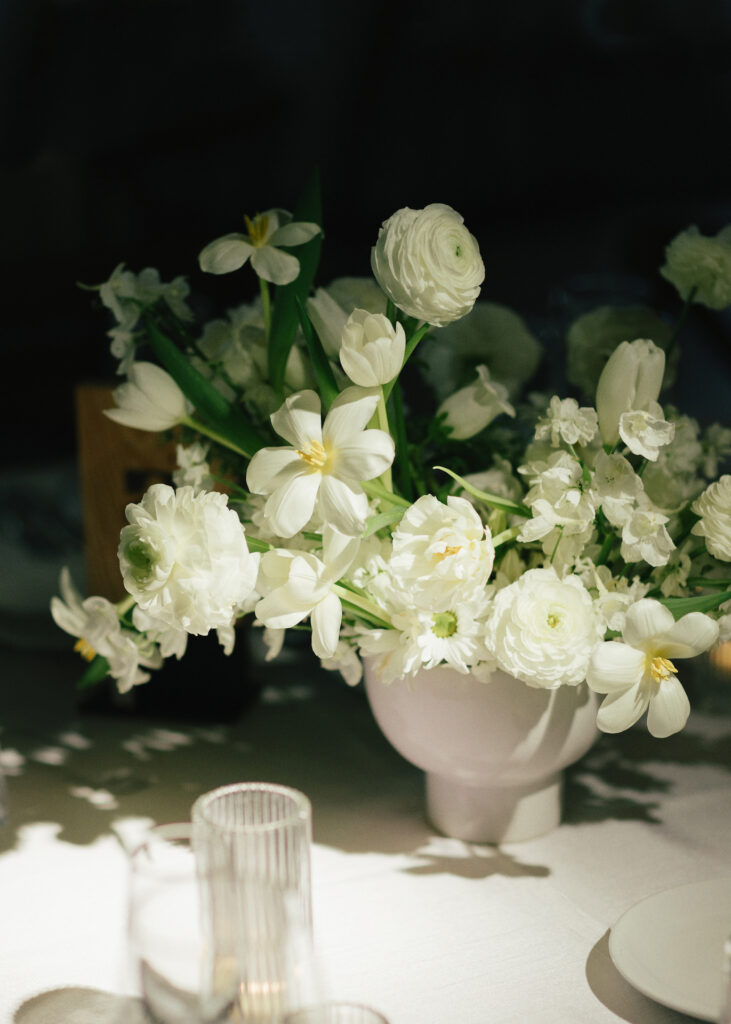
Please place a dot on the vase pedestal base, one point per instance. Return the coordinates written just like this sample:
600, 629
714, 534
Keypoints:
497, 814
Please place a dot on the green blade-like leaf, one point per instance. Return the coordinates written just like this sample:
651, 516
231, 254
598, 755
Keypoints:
680, 606
394, 515
98, 669
320, 363
493, 500
285, 319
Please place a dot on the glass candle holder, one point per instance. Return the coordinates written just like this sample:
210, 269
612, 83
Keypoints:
336, 1013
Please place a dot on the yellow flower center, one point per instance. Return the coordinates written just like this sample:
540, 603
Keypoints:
661, 669
553, 619
316, 456
84, 648
258, 229
450, 549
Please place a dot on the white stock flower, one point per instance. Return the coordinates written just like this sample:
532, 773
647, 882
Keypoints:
639, 673
193, 468
616, 487
440, 550
149, 400
631, 379
714, 508
345, 660
372, 349
543, 629
324, 464
565, 421
696, 261
184, 558
472, 408
428, 263
646, 431
127, 294
613, 595
644, 535
264, 234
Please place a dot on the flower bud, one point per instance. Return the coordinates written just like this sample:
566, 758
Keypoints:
149, 400
631, 379
372, 349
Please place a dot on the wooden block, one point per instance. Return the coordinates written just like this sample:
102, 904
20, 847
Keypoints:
117, 464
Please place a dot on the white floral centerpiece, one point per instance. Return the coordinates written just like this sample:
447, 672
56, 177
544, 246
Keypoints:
418, 510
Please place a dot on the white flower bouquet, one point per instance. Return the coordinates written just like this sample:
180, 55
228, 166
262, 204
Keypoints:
420, 509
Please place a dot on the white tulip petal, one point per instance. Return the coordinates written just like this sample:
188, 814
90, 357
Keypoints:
690, 636
325, 619
270, 468
298, 419
338, 551
343, 505
295, 233
622, 709
366, 456
290, 506
669, 709
271, 612
349, 413
645, 620
615, 666
274, 265
305, 586
225, 254
360, 368
328, 318
138, 421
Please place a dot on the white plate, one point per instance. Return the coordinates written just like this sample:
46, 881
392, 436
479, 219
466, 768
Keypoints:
670, 946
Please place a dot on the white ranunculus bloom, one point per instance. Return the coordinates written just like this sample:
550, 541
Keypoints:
472, 408
428, 264
441, 550
324, 464
644, 535
696, 261
149, 400
714, 508
543, 629
565, 421
371, 349
646, 431
184, 558
631, 379
265, 233
639, 673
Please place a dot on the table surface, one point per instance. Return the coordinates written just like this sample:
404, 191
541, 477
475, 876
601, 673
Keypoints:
429, 930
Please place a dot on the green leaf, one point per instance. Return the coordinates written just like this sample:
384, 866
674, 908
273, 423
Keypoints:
377, 522
320, 363
98, 669
285, 318
490, 499
680, 606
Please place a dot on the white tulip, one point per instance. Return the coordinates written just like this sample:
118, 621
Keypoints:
372, 349
149, 400
631, 379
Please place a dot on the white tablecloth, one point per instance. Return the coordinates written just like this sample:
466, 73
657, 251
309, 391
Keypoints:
427, 929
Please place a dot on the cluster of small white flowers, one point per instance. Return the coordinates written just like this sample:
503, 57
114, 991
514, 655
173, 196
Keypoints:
565, 421
193, 468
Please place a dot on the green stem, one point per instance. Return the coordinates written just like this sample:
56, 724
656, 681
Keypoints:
266, 305
555, 546
681, 320
214, 436
605, 549
363, 605
376, 490
254, 544
382, 421
123, 606
700, 581
506, 536
411, 344
402, 446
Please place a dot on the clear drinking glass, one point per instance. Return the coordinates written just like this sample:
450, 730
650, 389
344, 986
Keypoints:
336, 1013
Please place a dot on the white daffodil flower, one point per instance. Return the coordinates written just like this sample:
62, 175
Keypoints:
631, 379
260, 244
639, 674
472, 408
324, 463
149, 400
296, 584
646, 431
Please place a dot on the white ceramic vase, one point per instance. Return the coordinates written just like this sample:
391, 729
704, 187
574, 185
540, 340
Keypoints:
493, 753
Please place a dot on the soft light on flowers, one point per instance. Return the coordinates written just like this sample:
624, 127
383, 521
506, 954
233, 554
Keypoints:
474, 407
184, 558
264, 234
428, 264
639, 674
714, 508
543, 629
149, 400
324, 464
631, 379
702, 265
565, 421
372, 348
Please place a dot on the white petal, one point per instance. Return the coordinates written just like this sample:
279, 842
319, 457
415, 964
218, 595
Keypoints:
274, 265
70, 621
298, 419
689, 636
273, 613
343, 505
325, 619
365, 456
296, 233
622, 709
338, 551
349, 413
615, 666
160, 389
225, 254
669, 709
645, 620
69, 593
328, 318
290, 507
270, 467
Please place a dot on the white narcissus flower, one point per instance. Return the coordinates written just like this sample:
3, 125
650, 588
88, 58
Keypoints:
631, 379
472, 408
714, 508
565, 421
264, 234
639, 673
325, 464
646, 431
543, 629
149, 400
695, 261
428, 264
184, 558
371, 349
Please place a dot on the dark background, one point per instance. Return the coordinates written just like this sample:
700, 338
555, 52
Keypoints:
576, 138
